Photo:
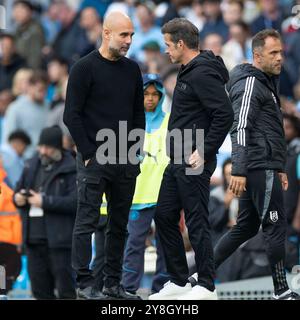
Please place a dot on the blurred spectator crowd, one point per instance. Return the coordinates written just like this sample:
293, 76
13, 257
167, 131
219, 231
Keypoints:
43, 39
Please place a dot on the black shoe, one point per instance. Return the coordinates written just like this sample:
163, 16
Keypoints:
288, 295
119, 293
90, 293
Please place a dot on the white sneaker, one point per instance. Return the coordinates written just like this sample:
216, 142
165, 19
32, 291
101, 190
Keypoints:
170, 291
199, 293
193, 279
287, 295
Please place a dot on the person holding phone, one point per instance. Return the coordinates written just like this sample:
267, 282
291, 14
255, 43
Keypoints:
46, 198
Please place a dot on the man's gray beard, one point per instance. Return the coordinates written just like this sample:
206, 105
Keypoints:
115, 53
46, 161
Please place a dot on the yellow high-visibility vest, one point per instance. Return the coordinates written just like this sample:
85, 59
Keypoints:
153, 166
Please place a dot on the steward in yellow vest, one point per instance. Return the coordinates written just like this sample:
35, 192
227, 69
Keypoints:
146, 192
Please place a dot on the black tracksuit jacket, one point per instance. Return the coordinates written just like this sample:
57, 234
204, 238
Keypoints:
257, 133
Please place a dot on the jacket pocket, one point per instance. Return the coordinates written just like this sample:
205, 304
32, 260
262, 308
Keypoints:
258, 149
278, 149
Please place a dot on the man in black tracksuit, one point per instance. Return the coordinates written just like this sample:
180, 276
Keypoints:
258, 158
104, 88
199, 102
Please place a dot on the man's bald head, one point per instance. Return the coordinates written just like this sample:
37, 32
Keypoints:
117, 34
115, 20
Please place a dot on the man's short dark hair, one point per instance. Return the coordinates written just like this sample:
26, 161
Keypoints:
38, 76
24, 3
20, 135
258, 40
182, 29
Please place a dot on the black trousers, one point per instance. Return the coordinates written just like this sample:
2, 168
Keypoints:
260, 205
50, 269
190, 192
99, 260
118, 183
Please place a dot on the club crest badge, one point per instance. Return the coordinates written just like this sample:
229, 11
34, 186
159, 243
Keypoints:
274, 216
